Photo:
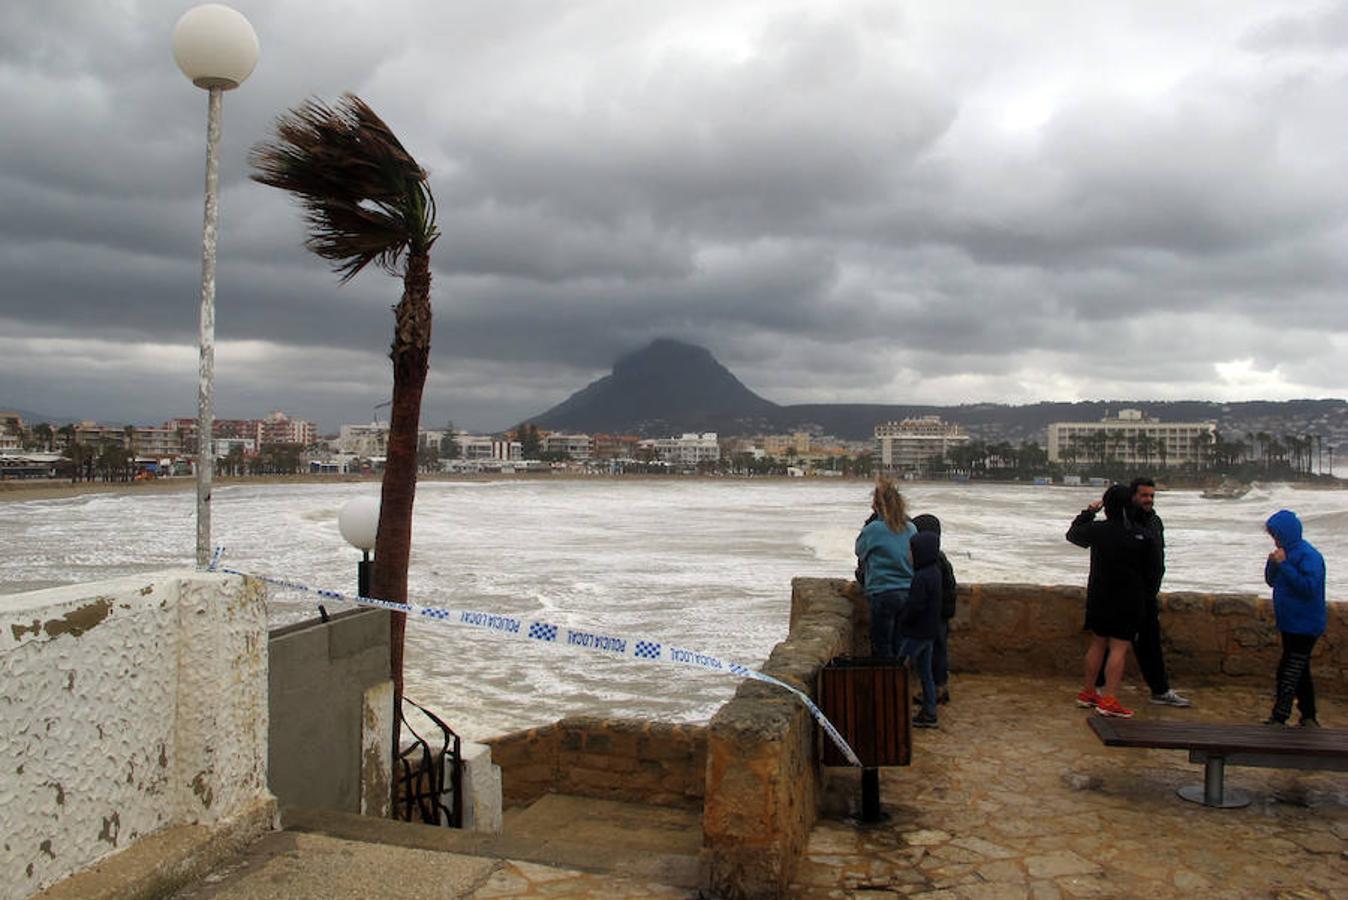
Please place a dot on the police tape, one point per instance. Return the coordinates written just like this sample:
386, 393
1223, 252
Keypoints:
584, 640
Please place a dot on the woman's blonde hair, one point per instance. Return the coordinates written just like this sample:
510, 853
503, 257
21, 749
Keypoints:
888, 504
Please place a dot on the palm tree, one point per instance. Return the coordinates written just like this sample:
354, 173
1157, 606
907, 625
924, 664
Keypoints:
366, 200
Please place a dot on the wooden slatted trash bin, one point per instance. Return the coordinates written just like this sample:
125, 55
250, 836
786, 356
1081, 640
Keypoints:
867, 700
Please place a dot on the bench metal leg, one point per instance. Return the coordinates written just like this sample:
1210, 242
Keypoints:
1212, 791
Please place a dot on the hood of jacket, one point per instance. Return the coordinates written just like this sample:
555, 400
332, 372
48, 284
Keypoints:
927, 523
1116, 502
926, 548
1286, 527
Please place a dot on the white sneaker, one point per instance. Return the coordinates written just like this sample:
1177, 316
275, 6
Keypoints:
1170, 698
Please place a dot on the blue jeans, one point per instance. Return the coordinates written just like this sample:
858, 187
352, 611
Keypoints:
920, 653
885, 607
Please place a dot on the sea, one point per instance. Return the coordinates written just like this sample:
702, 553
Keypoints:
703, 563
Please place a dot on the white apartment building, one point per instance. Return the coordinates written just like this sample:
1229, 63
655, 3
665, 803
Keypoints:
479, 447
147, 441
913, 444
1132, 439
688, 449
576, 446
364, 440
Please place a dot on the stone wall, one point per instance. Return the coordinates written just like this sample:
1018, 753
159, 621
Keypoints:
131, 707
764, 784
1033, 629
658, 763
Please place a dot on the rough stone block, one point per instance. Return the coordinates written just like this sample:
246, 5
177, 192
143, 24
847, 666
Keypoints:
1228, 605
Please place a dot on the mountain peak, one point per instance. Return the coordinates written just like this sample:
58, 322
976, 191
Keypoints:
665, 351
668, 386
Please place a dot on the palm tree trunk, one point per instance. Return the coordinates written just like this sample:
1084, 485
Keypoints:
393, 545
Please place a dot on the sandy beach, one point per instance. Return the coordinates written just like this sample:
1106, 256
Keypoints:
57, 489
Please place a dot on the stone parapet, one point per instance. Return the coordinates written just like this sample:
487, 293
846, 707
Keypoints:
764, 783
1032, 629
1023, 629
658, 763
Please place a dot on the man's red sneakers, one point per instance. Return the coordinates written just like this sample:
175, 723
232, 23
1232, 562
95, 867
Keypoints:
1088, 699
1110, 706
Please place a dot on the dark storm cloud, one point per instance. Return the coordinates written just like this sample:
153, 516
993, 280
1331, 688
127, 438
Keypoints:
842, 201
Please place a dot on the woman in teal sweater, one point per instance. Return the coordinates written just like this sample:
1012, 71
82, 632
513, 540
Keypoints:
885, 562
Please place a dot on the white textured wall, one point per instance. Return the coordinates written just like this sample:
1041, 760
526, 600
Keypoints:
127, 706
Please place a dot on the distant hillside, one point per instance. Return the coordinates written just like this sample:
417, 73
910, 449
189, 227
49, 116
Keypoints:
671, 387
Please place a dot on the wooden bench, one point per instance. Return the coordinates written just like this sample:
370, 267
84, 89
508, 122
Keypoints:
1217, 746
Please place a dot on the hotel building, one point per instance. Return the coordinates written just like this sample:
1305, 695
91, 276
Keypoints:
913, 444
1132, 439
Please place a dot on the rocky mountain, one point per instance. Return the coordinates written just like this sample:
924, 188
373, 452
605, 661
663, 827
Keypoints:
665, 388
671, 387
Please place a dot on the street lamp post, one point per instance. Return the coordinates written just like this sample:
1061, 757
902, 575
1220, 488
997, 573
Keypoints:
216, 49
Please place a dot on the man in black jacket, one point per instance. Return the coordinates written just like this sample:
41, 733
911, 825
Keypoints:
1147, 646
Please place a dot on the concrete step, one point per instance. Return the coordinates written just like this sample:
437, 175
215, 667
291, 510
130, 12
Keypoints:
646, 843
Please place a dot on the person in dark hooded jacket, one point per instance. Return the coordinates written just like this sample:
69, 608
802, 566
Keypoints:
920, 619
1120, 576
940, 651
1296, 572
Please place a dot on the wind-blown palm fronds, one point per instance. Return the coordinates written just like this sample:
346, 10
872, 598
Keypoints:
365, 198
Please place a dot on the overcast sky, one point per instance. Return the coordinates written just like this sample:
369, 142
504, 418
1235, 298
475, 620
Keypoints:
844, 201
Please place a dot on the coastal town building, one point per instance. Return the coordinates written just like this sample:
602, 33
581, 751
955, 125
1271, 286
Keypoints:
363, 440
1133, 439
616, 446
796, 444
575, 446
475, 447
278, 428
275, 428
11, 431
148, 441
914, 444
688, 449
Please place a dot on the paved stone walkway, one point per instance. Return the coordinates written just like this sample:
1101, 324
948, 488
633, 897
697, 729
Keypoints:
1014, 796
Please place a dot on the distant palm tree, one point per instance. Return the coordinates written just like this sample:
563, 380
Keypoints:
366, 200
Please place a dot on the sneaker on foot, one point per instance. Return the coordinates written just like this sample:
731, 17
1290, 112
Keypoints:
1170, 698
1309, 722
1274, 720
1110, 706
943, 698
1088, 699
922, 720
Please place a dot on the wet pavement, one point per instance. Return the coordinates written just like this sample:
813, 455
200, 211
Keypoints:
1014, 796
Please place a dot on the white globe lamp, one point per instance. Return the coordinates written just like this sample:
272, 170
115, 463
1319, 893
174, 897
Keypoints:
358, 521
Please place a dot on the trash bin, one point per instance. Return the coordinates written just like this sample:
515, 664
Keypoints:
867, 700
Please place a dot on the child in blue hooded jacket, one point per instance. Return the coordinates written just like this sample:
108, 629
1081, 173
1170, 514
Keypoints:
1296, 572
920, 619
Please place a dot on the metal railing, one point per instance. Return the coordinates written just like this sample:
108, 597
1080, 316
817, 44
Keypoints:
426, 775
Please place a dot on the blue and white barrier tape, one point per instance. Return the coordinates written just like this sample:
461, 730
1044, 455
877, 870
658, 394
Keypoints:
581, 639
